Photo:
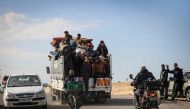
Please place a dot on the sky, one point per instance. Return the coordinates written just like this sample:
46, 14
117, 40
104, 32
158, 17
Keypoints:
137, 33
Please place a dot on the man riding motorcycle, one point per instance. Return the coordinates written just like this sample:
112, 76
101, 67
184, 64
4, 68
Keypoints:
139, 81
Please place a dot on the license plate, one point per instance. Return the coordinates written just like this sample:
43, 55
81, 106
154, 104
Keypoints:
25, 100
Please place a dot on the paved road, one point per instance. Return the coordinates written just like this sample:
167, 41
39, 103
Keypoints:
117, 102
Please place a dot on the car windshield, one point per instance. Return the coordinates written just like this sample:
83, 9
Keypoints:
24, 80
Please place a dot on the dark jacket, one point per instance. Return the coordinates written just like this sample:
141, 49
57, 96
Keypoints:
164, 75
102, 50
141, 77
178, 74
86, 70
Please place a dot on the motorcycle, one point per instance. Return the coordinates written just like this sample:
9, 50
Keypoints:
149, 96
74, 91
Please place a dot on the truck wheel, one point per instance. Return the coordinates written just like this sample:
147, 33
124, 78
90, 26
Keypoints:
188, 95
63, 98
53, 98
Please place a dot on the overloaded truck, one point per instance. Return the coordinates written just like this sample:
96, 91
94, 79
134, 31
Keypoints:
99, 88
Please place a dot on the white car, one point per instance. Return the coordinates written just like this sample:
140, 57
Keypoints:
24, 91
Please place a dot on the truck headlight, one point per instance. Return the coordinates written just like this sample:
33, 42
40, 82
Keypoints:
40, 94
10, 96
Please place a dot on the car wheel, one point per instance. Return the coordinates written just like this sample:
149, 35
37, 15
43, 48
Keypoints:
188, 95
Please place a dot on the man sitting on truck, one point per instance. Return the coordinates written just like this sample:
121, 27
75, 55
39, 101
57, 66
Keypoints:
102, 49
78, 39
67, 35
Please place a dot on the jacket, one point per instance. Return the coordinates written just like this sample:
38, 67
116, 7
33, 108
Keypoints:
141, 77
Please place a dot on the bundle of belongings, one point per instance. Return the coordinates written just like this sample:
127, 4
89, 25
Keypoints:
80, 56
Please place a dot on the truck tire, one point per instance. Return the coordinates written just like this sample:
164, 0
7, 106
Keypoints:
53, 98
188, 94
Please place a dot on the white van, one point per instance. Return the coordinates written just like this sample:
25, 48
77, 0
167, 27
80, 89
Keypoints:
24, 91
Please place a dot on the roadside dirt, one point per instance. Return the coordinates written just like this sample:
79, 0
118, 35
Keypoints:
122, 88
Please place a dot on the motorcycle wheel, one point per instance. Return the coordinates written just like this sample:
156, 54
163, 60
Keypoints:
73, 102
76, 102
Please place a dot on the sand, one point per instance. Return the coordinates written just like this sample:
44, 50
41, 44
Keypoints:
122, 88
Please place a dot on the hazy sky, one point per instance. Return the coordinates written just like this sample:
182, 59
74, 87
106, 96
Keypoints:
136, 32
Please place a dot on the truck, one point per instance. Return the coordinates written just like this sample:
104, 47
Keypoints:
99, 92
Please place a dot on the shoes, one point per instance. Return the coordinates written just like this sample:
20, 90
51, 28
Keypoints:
173, 99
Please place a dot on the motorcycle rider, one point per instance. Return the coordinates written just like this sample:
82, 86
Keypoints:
164, 82
140, 79
178, 80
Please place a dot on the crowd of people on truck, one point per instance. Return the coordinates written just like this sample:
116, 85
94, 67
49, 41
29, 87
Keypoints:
144, 74
80, 57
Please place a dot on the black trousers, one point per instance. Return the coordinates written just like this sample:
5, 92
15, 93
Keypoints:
138, 93
178, 87
164, 89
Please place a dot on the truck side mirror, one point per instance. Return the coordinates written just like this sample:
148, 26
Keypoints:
131, 76
171, 78
48, 70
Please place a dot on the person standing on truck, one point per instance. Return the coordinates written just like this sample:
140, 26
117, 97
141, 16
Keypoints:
73, 44
140, 79
102, 49
86, 70
78, 39
67, 35
178, 80
164, 82
66, 51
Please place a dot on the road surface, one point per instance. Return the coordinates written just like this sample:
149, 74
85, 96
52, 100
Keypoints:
117, 102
